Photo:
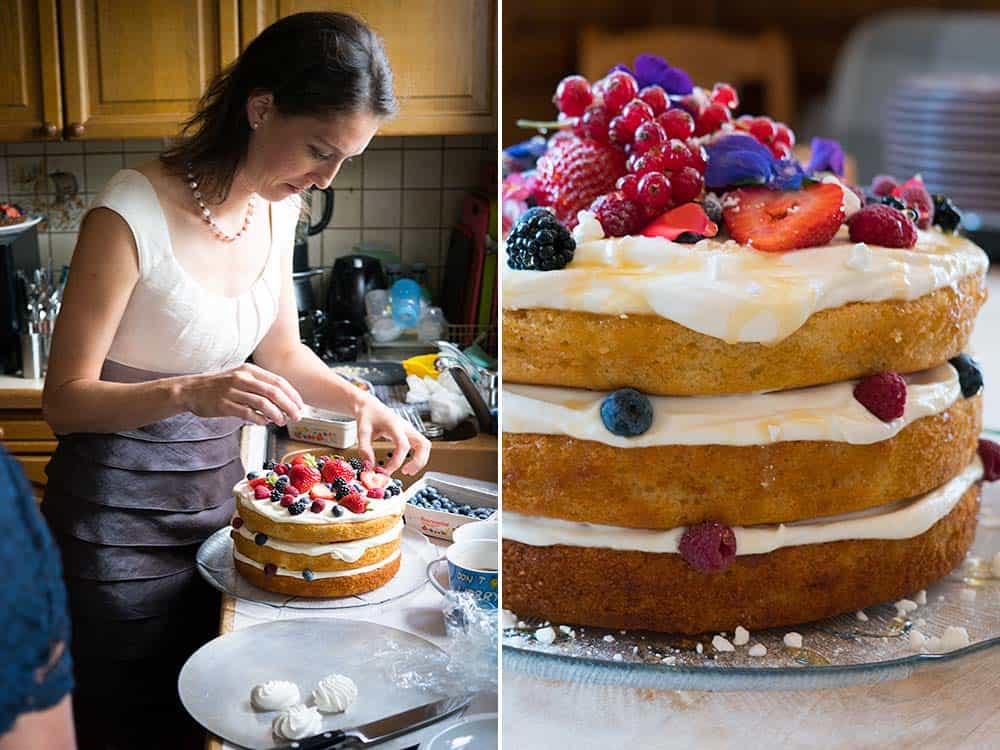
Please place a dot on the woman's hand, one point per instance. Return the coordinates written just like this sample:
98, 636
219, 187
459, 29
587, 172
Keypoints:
249, 392
376, 420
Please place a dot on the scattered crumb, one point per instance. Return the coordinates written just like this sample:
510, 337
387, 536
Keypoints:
905, 606
921, 597
722, 644
741, 636
609, 638
567, 631
545, 635
953, 638
508, 619
699, 648
758, 649
793, 640
669, 660
860, 614
917, 639
617, 657
940, 597
967, 595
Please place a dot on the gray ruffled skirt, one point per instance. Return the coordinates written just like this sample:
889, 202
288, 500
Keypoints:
129, 511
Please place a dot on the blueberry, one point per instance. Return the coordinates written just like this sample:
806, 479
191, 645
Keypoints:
307, 574
946, 214
627, 412
338, 511
253, 475
260, 539
970, 377
465, 508
689, 238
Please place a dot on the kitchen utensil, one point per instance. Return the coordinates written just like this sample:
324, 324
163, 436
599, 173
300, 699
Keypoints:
353, 276
472, 567
305, 228
33, 357
305, 299
486, 421
380, 730
477, 530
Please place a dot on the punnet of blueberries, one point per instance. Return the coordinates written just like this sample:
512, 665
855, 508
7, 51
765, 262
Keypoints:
538, 242
627, 412
432, 499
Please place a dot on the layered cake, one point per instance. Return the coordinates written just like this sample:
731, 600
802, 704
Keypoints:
320, 526
735, 386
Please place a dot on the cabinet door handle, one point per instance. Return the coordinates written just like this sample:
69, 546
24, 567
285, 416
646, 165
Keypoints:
50, 129
75, 130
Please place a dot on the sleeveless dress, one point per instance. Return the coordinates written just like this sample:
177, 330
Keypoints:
129, 509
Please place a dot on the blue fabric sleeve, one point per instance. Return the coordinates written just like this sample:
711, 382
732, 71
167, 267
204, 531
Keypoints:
36, 670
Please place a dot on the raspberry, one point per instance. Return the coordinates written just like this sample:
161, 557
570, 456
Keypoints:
687, 184
629, 186
618, 88
281, 469
621, 131
647, 135
882, 225
724, 94
989, 454
538, 242
708, 547
261, 491
883, 184
237, 522
573, 95
712, 118
287, 500
317, 506
676, 123
593, 124
915, 195
618, 215
656, 98
626, 412
571, 174
654, 191
884, 395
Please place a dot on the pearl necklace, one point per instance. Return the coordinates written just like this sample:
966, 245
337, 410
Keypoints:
207, 217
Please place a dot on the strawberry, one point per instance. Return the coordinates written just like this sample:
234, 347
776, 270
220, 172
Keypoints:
258, 481
370, 480
337, 467
280, 469
299, 459
376, 492
261, 491
575, 171
304, 477
320, 491
915, 195
777, 220
354, 503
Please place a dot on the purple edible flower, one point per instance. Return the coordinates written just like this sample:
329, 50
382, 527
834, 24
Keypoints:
827, 156
738, 160
654, 70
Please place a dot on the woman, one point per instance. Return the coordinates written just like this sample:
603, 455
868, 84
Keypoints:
182, 271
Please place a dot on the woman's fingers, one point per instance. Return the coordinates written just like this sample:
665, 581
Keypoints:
401, 445
365, 439
260, 404
233, 409
421, 452
263, 383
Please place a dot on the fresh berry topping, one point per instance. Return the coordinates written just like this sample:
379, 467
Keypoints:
260, 539
337, 467
636, 112
989, 454
713, 208
626, 412
656, 98
276, 495
882, 225
538, 242
254, 475
299, 506
354, 503
618, 215
307, 574
675, 155
689, 238
689, 218
883, 184
287, 500
261, 491
621, 131
356, 462
299, 459
724, 94
946, 213
781, 150
712, 118
594, 124
618, 88
687, 184
341, 487
783, 134
698, 156
373, 479
647, 135
573, 96
629, 186
970, 377
777, 220
654, 191
884, 395
320, 491
376, 492
291, 489
269, 465
891, 201
270, 569
282, 481
259, 481
676, 123
381, 470
575, 171
708, 547
915, 195
237, 522
337, 511
281, 469
761, 128
304, 477
317, 506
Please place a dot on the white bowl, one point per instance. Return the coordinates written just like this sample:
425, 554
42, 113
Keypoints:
477, 530
476, 732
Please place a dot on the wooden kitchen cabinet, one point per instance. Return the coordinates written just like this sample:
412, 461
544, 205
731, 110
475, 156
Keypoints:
443, 54
30, 90
26, 435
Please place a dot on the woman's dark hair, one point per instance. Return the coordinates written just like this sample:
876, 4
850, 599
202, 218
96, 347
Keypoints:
316, 64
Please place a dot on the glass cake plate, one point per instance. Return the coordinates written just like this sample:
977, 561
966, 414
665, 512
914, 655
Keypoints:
836, 652
215, 563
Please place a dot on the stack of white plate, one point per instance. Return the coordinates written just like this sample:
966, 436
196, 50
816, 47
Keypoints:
947, 128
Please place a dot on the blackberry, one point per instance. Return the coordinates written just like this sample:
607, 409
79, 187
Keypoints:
689, 238
946, 213
970, 377
282, 481
298, 507
713, 208
340, 487
276, 494
893, 201
538, 242
356, 463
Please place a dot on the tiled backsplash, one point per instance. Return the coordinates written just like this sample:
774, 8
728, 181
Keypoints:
404, 192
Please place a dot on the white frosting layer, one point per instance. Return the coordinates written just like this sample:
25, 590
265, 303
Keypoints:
377, 508
319, 573
335, 693
824, 412
297, 722
736, 293
346, 551
901, 520
275, 694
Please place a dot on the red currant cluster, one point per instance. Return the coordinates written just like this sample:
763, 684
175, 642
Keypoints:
775, 135
666, 164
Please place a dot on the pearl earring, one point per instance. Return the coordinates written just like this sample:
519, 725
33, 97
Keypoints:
254, 125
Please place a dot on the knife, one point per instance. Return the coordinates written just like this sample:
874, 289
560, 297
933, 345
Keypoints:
381, 730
